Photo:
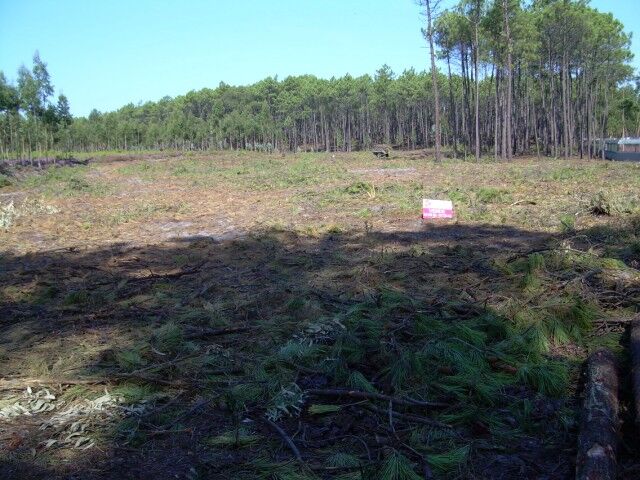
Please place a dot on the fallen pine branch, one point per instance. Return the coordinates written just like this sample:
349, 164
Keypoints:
152, 379
194, 408
617, 320
169, 363
22, 383
155, 276
523, 202
373, 396
286, 439
214, 332
408, 417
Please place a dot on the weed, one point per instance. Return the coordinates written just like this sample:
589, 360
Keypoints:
359, 188
76, 298
4, 181
600, 204
169, 337
610, 204
130, 359
567, 224
491, 195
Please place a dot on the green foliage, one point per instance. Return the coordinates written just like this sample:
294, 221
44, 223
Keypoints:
549, 377
567, 224
341, 459
305, 113
357, 381
78, 297
614, 204
169, 337
130, 359
4, 181
133, 393
360, 188
491, 195
294, 351
287, 402
66, 181
238, 438
320, 409
397, 467
600, 204
448, 461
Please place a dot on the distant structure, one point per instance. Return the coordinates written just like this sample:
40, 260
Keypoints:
618, 148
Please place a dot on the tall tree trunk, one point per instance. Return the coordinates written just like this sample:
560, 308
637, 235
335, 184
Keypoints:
434, 75
508, 106
475, 67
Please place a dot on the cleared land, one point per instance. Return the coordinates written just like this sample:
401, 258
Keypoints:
199, 316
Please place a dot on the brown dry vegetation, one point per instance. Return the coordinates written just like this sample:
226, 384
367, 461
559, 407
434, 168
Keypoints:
199, 298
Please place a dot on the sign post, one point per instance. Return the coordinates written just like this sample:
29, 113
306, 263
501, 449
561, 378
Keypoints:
433, 209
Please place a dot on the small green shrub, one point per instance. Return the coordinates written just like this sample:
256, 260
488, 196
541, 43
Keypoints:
76, 298
169, 337
567, 224
600, 204
129, 359
491, 195
359, 188
4, 181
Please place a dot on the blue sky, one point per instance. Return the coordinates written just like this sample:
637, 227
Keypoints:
103, 54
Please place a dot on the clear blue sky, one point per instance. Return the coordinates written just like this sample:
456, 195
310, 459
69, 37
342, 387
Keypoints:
106, 53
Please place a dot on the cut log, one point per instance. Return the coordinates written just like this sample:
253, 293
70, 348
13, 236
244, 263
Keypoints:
598, 438
634, 346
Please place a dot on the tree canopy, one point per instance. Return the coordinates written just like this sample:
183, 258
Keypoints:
544, 77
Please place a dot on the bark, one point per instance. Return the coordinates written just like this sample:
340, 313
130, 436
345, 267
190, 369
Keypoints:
509, 93
635, 366
598, 438
434, 76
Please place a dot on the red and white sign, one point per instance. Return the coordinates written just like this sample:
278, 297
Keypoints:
437, 208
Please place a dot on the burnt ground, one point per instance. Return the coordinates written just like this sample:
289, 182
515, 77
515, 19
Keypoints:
200, 328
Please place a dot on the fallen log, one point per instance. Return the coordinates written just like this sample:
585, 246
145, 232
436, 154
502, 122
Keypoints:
598, 437
634, 347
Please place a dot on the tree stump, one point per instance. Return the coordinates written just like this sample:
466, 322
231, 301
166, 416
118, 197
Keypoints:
598, 438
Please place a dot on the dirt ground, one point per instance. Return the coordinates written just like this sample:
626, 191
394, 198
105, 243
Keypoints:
192, 316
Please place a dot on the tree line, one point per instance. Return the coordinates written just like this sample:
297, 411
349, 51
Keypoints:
546, 77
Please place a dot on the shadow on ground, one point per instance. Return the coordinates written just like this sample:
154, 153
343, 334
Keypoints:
205, 338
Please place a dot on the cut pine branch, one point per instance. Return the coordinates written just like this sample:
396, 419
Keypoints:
409, 402
598, 438
202, 332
